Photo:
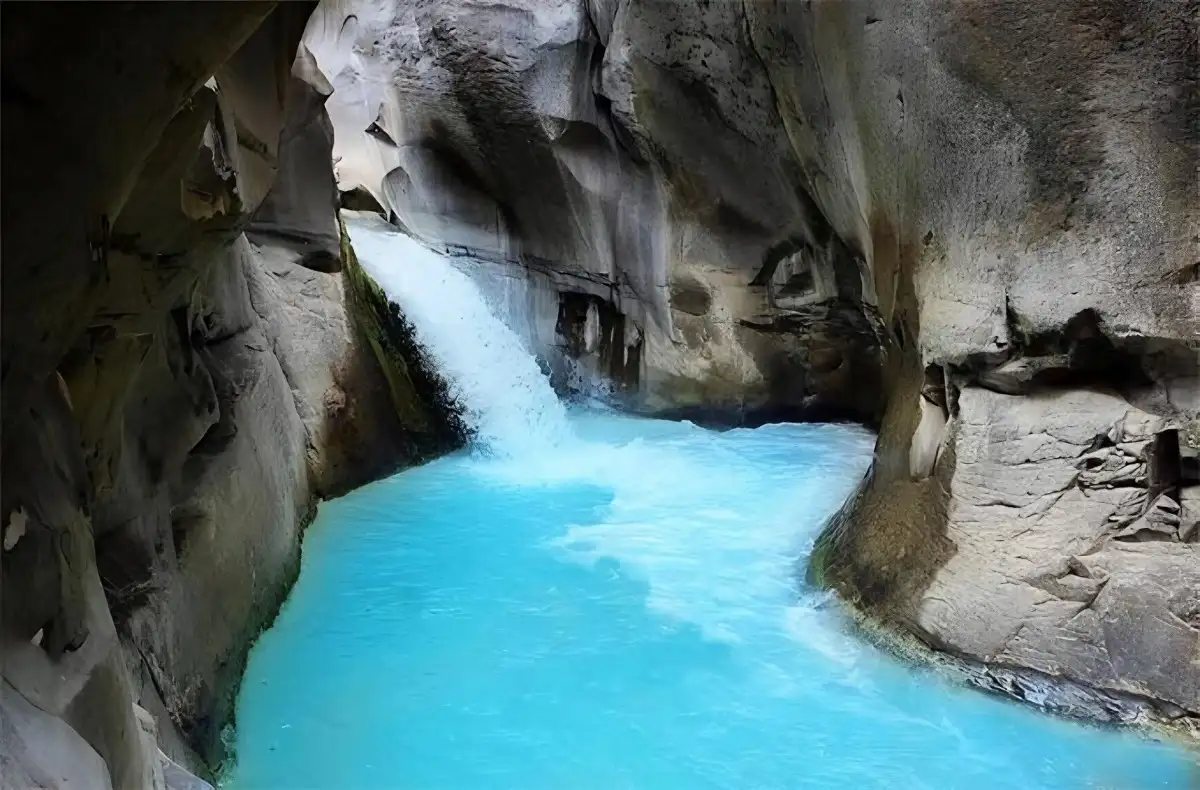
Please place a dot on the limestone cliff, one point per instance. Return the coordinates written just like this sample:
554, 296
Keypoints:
182, 377
983, 214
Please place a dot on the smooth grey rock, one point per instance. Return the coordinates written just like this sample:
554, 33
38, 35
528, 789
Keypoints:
352, 434
177, 777
509, 130
157, 470
1189, 517
927, 441
38, 750
301, 204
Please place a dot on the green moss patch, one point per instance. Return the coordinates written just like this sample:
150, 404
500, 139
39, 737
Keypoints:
421, 397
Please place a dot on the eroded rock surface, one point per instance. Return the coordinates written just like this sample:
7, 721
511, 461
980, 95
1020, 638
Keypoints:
568, 139
1029, 230
1063, 563
985, 213
177, 393
981, 216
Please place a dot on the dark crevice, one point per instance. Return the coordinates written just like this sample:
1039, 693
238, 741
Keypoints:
1186, 275
125, 565
376, 131
1079, 355
952, 394
182, 324
620, 364
899, 333
1163, 470
774, 255
359, 199
1189, 467
12, 93
801, 282
934, 388
247, 140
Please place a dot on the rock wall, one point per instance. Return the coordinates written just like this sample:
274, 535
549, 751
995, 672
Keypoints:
183, 378
981, 214
556, 140
1024, 182
973, 224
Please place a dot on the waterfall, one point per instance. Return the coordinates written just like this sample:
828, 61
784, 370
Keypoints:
507, 400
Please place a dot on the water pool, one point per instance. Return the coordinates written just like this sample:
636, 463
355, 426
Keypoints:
621, 612
601, 602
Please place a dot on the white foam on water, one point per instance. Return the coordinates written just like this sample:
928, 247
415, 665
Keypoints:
703, 531
507, 400
728, 571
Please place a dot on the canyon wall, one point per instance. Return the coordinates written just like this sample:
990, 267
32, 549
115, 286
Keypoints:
661, 239
1027, 185
973, 225
983, 214
184, 374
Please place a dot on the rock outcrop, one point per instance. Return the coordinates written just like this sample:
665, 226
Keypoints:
982, 215
1025, 183
182, 375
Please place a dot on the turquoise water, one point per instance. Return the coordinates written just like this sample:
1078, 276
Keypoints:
620, 610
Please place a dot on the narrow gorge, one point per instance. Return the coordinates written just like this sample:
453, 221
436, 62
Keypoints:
681, 393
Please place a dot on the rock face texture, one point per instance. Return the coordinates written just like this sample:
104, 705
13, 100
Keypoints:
177, 392
566, 144
1025, 185
974, 225
982, 215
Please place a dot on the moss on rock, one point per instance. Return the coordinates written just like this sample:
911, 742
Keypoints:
421, 397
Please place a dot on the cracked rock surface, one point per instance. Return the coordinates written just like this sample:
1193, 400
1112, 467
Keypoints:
1051, 570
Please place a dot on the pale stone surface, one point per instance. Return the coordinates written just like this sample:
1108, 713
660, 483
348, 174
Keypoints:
927, 440
772, 207
163, 447
1040, 577
38, 750
509, 131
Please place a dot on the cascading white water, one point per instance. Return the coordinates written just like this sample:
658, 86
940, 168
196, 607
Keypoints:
508, 403
614, 607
